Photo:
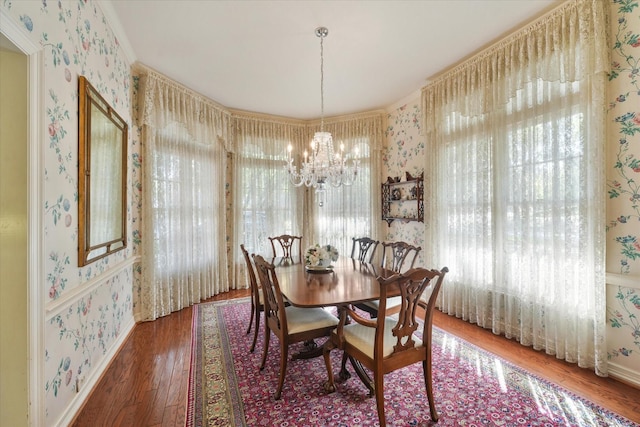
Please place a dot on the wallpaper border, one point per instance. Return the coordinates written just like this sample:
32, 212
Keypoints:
616, 279
68, 298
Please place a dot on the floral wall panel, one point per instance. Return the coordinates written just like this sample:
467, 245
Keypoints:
623, 186
77, 40
135, 132
623, 182
404, 152
80, 335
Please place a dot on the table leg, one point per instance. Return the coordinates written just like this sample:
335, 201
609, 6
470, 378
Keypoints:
311, 350
362, 375
344, 373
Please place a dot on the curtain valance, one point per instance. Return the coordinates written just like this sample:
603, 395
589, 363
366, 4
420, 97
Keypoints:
543, 50
202, 118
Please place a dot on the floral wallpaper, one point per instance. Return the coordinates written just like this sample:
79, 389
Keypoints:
623, 186
85, 308
624, 181
136, 191
405, 152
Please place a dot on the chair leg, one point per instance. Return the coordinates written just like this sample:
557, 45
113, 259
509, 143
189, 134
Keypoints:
284, 356
255, 332
378, 379
267, 335
428, 382
253, 310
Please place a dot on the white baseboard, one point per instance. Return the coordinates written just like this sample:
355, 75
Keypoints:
624, 375
92, 380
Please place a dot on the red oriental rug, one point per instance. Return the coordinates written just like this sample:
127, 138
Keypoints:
472, 387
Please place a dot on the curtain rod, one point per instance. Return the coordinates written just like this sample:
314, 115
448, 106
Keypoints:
138, 66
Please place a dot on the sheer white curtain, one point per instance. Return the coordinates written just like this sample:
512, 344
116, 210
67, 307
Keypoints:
352, 211
184, 221
266, 204
515, 152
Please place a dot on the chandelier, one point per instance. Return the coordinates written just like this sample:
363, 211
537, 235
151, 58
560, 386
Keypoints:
323, 166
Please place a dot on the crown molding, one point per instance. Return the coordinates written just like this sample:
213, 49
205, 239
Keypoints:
413, 97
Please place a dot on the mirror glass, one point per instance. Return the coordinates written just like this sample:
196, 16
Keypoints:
102, 154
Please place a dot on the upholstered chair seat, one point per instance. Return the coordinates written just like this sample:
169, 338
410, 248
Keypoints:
307, 319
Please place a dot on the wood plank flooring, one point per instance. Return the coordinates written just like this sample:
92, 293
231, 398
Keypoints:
146, 383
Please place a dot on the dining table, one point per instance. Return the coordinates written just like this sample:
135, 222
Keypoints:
346, 281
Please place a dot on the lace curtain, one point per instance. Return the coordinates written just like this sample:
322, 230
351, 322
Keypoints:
515, 147
267, 204
184, 216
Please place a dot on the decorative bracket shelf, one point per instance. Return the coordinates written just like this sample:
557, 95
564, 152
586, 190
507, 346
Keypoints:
403, 200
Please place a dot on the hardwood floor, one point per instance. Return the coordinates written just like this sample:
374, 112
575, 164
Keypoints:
606, 392
146, 384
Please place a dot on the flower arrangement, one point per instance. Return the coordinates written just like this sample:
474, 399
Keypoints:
320, 255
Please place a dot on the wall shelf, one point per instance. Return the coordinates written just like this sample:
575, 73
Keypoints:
403, 200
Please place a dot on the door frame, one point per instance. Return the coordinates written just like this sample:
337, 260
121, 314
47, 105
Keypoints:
35, 217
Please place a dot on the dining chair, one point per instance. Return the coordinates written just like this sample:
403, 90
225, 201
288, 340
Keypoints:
257, 301
288, 323
394, 257
360, 249
285, 246
385, 344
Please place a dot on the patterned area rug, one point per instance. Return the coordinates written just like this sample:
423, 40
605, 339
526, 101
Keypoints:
472, 387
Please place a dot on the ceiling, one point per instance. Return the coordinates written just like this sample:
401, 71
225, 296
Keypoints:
263, 56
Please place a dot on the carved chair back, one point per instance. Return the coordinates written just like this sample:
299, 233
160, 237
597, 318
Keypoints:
397, 256
363, 249
286, 246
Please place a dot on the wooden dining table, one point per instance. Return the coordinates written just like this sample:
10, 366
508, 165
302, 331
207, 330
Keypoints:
348, 281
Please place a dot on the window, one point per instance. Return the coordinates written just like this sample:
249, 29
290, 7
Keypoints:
183, 209
515, 146
347, 210
269, 204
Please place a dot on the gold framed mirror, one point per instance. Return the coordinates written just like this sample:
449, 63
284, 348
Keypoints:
102, 176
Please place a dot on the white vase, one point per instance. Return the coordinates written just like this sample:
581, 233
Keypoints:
324, 263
